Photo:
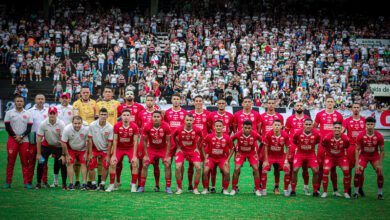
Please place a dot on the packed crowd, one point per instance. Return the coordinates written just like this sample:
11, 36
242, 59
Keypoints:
229, 55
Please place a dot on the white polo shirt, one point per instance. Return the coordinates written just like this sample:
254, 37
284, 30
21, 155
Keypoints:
18, 121
51, 133
38, 116
76, 140
65, 113
101, 135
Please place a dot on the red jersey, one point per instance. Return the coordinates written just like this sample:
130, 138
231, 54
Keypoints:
333, 147
187, 139
246, 144
125, 135
294, 124
226, 118
175, 119
200, 120
306, 143
275, 144
156, 137
135, 109
268, 120
240, 117
354, 127
144, 117
326, 121
217, 147
369, 144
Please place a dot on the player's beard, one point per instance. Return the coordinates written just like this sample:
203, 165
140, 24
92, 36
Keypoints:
299, 111
130, 99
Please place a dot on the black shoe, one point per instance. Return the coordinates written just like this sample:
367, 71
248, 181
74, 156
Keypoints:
190, 189
157, 189
213, 190
77, 185
38, 186
101, 187
93, 187
293, 193
89, 184
355, 195
361, 192
99, 179
64, 187
71, 186
349, 191
380, 197
238, 190
84, 187
316, 194
45, 185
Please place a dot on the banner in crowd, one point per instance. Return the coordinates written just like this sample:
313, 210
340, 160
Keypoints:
372, 42
382, 118
380, 90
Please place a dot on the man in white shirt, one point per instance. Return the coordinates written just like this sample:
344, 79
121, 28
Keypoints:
65, 110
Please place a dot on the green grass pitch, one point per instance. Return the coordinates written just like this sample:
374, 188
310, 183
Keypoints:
19, 203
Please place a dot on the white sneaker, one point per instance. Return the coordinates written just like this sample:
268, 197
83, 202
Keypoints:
110, 188
133, 188
226, 192
306, 192
337, 194
205, 191
196, 192
258, 193
233, 192
289, 188
347, 196
264, 192
117, 185
324, 195
179, 191
54, 185
286, 193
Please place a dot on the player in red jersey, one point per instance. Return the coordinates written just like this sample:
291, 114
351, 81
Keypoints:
295, 123
267, 121
354, 125
135, 109
369, 148
246, 149
325, 120
247, 114
187, 139
306, 140
156, 142
145, 117
218, 149
227, 121
200, 121
335, 145
274, 143
125, 144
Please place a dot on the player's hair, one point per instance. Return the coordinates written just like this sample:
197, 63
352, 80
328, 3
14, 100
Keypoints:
337, 123
126, 110
329, 97
218, 121
103, 110
107, 87
277, 120
308, 119
151, 96
370, 120
177, 95
39, 95
190, 115
77, 117
17, 97
85, 87
221, 99
157, 112
357, 103
271, 99
248, 122
198, 97
247, 97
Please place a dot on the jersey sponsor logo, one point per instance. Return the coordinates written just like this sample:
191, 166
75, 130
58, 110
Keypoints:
156, 141
124, 140
217, 151
246, 148
369, 149
306, 147
276, 148
334, 151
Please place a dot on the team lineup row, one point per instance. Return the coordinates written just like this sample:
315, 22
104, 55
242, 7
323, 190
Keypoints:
74, 137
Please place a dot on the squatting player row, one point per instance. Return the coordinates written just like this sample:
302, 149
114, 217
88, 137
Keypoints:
90, 135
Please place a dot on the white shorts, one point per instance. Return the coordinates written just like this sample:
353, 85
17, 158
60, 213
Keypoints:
37, 73
56, 77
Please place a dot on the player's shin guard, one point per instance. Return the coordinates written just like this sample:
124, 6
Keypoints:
134, 178
225, 184
142, 182
168, 182
112, 178
357, 179
119, 167
179, 183
287, 179
264, 180
213, 176
333, 177
205, 182
325, 180
257, 184
346, 180
190, 173
293, 186
380, 180
305, 175
196, 184
234, 184
156, 172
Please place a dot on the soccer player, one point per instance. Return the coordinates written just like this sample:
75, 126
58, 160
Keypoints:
38, 113
274, 143
335, 145
369, 149
267, 121
227, 120
18, 123
246, 149
247, 114
187, 139
49, 143
157, 144
125, 144
74, 145
200, 121
295, 123
100, 137
354, 125
218, 149
325, 120
305, 141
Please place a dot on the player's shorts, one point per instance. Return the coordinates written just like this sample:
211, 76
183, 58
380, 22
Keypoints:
241, 158
363, 160
320, 154
351, 151
276, 160
336, 161
310, 159
76, 155
156, 154
212, 162
192, 157
121, 153
95, 154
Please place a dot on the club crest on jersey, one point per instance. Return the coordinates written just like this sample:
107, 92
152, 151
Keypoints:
81, 135
69, 113
44, 116
57, 130
24, 116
